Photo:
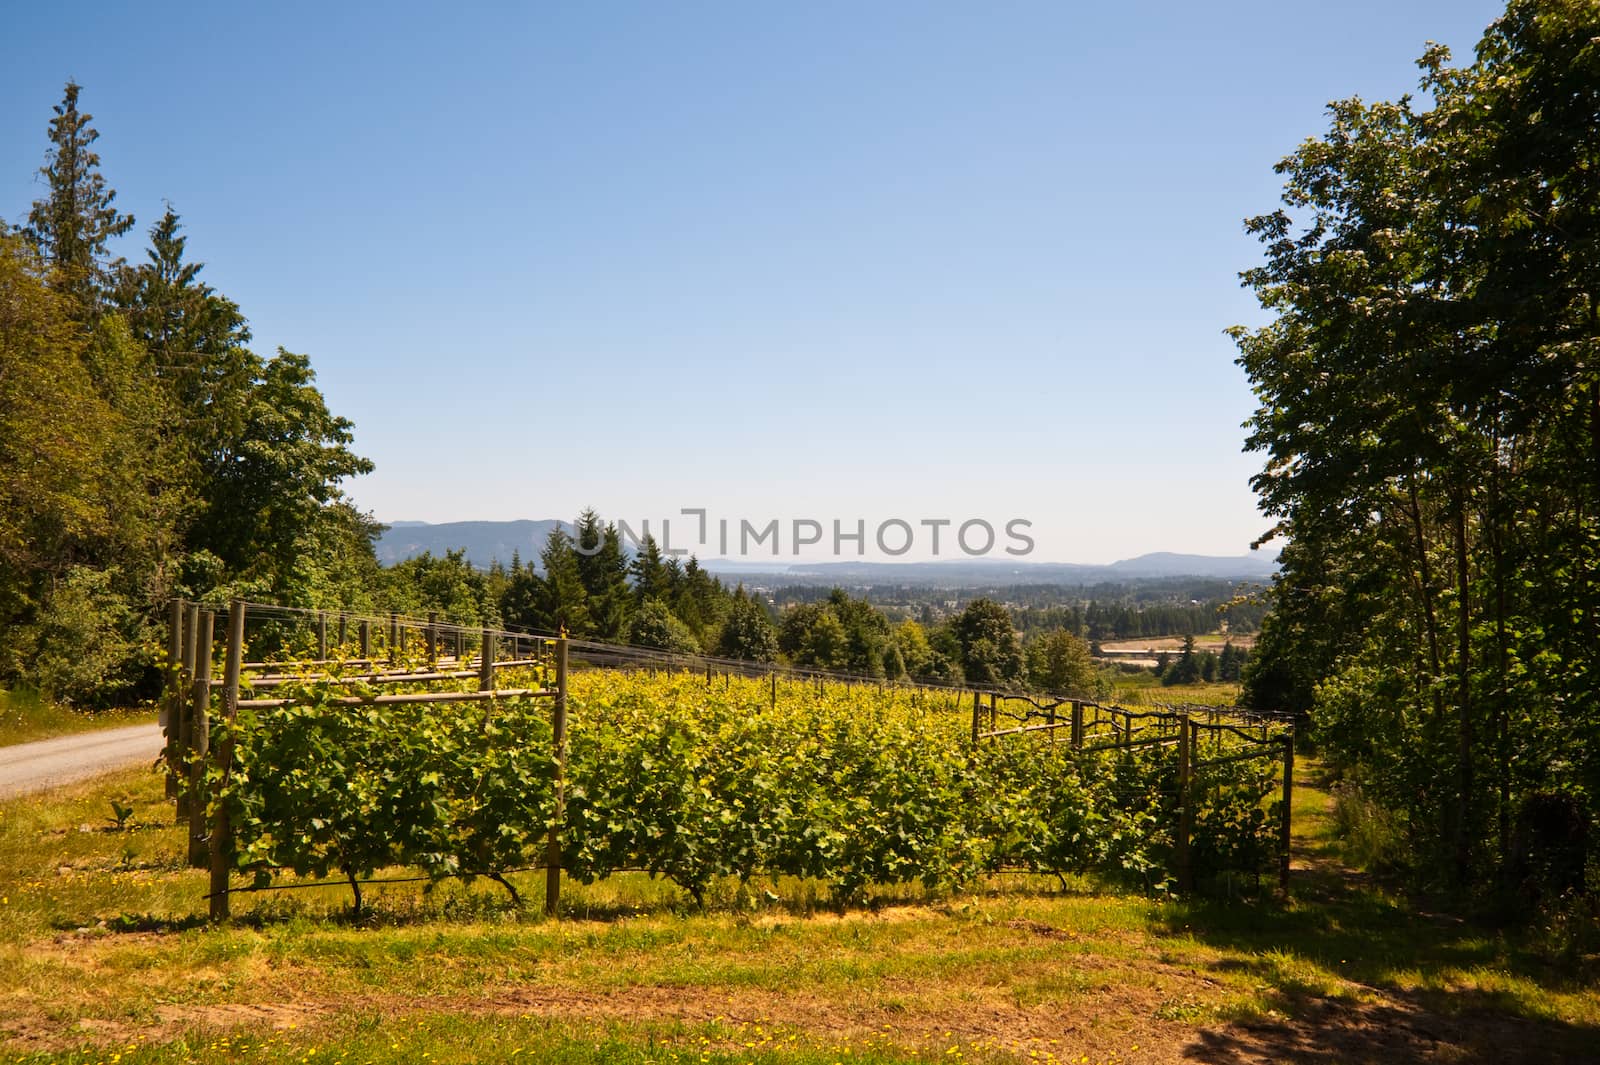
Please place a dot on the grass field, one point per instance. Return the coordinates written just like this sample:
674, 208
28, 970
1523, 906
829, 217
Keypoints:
1211, 641
103, 959
1146, 689
24, 716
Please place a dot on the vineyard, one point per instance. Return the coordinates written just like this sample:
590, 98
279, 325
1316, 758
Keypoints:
356, 747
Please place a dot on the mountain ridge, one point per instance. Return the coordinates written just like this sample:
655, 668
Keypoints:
488, 541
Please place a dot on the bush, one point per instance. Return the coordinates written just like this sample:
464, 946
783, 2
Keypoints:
84, 650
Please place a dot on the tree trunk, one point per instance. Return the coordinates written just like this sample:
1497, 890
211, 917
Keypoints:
1463, 834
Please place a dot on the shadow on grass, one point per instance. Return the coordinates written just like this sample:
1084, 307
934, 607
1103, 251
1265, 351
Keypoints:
1405, 1027
1354, 974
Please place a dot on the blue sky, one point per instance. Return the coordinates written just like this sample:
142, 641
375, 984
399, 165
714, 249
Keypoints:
824, 260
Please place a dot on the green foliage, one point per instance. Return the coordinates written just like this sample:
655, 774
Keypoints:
449, 586
747, 633
1427, 418
1187, 669
145, 451
1059, 662
121, 816
276, 478
603, 572
692, 782
990, 653
72, 224
839, 634
84, 647
318, 788
54, 432
654, 626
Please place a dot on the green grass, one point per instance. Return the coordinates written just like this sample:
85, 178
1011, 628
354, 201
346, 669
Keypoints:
1144, 689
25, 716
102, 952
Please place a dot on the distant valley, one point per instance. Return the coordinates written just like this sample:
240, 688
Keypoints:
488, 541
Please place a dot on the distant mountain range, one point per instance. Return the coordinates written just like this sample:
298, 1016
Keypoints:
484, 541
488, 541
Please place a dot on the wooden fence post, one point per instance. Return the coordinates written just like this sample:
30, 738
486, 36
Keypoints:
977, 716
558, 738
200, 735
774, 689
322, 635
486, 663
1185, 804
343, 629
1077, 725
174, 695
1288, 809
994, 713
394, 638
433, 639
365, 631
191, 629
221, 841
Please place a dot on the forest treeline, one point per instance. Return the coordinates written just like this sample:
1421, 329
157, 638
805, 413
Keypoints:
1097, 612
1429, 412
147, 452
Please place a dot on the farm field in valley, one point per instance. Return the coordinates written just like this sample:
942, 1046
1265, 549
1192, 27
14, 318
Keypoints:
1154, 644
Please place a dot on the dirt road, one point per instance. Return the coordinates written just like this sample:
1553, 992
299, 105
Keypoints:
30, 767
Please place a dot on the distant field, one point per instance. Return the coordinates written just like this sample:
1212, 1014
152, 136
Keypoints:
1145, 689
1155, 644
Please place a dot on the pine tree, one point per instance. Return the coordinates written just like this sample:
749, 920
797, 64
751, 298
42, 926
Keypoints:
648, 571
71, 225
196, 337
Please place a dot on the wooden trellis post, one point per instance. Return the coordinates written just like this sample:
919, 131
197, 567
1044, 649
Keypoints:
486, 663
200, 736
977, 716
1285, 835
174, 695
365, 631
394, 639
558, 738
322, 636
1185, 804
221, 841
191, 628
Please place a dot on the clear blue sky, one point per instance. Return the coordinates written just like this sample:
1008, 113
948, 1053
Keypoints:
830, 260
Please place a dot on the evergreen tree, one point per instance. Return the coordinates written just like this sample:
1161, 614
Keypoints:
561, 603
649, 572
72, 223
196, 338
1186, 670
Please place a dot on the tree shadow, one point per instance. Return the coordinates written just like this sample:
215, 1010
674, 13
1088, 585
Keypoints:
1352, 973
1405, 1027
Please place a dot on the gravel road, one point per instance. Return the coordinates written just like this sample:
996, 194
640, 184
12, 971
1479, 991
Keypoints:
30, 767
